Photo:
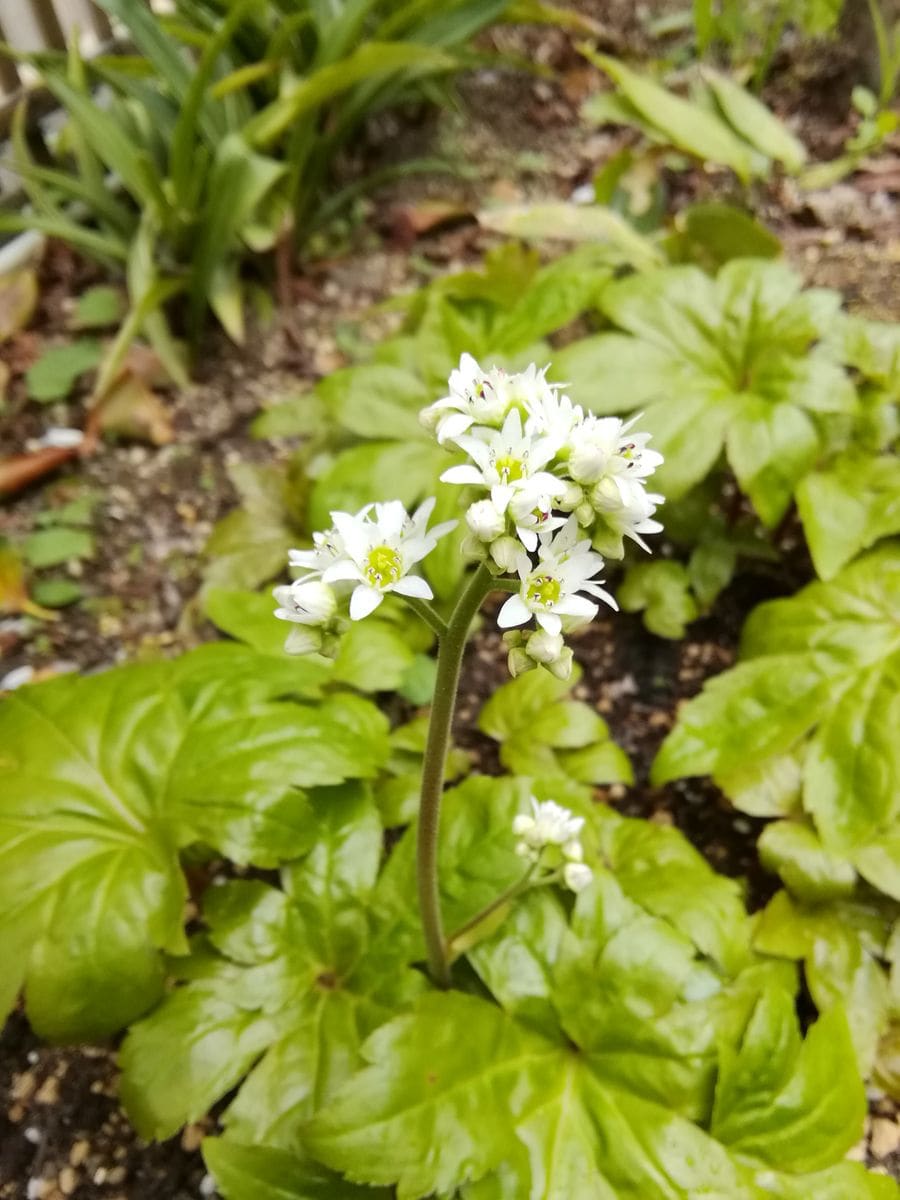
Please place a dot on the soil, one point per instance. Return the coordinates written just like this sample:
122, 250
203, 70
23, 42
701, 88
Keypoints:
62, 1132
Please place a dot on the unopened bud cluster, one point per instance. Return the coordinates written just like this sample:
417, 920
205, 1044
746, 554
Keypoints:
549, 836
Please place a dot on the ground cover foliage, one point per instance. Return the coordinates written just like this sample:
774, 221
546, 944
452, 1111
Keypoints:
640, 1039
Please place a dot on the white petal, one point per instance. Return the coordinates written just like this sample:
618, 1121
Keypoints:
453, 426
577, 606
390, 518
513, 612
528, 538
412, 585
550, 622
462, 474
344, 569
364, 601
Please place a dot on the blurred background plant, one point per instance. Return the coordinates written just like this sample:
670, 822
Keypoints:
213, 140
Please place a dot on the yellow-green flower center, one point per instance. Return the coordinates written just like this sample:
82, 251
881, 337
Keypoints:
383, 566
508, 468
543, 590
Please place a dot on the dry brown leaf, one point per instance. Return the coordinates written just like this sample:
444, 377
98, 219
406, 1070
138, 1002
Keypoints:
18, 300
130, 409
20, 470
409, 221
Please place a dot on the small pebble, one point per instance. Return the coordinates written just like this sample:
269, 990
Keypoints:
885, 1137
79, 1152
32, 1135
48, 1093
207, 1186
67, 1181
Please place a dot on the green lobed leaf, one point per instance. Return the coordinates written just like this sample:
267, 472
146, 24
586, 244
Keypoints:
662, 591
848, 507
104, 779
295, 984
543, 734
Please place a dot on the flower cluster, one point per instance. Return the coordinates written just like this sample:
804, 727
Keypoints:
561, 488
365, 555
549, 835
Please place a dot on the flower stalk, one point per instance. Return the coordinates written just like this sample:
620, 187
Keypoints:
449, 661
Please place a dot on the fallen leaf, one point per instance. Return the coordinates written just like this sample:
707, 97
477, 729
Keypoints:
18, 300
129, 408
20, 470
409, 221
13, 593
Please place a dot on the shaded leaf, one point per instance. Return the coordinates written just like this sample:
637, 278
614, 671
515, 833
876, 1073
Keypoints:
54, 374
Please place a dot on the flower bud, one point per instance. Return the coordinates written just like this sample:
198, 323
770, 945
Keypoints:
544, 647
577, 876
587, 463
572, 851
585, 513
562, 666
485, 521
522, 824
519, 661
571, 497
303, 639
505, 552
605, 495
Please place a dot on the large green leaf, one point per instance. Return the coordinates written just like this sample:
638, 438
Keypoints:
287, 978
103, 780
552, 1124
730, 363
823, 666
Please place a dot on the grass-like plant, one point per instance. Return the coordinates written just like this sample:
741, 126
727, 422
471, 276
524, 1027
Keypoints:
215, 139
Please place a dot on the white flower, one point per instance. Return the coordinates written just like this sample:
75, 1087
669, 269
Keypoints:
477, 397
378, 552
485, 522
605, 446
532, 513
308, 602
509, 463
549, 590
625, 509
327, 549
577, 876
551, 415
548, 824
